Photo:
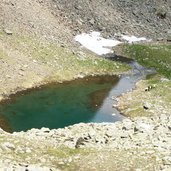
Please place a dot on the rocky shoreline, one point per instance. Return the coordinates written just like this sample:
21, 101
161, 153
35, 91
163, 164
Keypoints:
152, 136
130, 133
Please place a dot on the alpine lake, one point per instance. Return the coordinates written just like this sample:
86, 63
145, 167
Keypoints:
89, 99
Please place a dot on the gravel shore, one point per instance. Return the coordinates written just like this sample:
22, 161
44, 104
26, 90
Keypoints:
139, 136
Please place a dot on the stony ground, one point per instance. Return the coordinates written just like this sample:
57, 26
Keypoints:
148, 18
60, 20
134, 144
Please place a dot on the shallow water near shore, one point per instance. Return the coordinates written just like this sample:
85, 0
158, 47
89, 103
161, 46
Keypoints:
58, 105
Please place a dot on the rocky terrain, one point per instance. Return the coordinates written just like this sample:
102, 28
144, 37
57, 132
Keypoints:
37, 47
59, 20
133, 144
148, 18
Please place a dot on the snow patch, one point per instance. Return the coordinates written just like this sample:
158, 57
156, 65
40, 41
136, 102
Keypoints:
97, 44
132, 39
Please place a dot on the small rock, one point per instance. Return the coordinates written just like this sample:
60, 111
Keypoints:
138, 169
7, 146
40, 1
161, 12
28, 150
80, 141
61, 163
136, 129
167, 160
78, 7
127, 124
25, 66
8, 32
45, 130
147, 106
92, 21
70, 160
169, 38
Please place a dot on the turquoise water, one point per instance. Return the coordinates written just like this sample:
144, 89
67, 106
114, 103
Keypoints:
60, 105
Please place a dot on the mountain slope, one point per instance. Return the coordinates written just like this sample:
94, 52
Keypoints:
61, 19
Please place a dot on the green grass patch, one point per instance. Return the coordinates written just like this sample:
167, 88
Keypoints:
65, 152
156, 56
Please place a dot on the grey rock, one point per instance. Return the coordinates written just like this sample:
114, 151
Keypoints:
169, 38
147, 106
160, 39
92, 21
8, 32
161, 12
167, 160
80, 141
8, 145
